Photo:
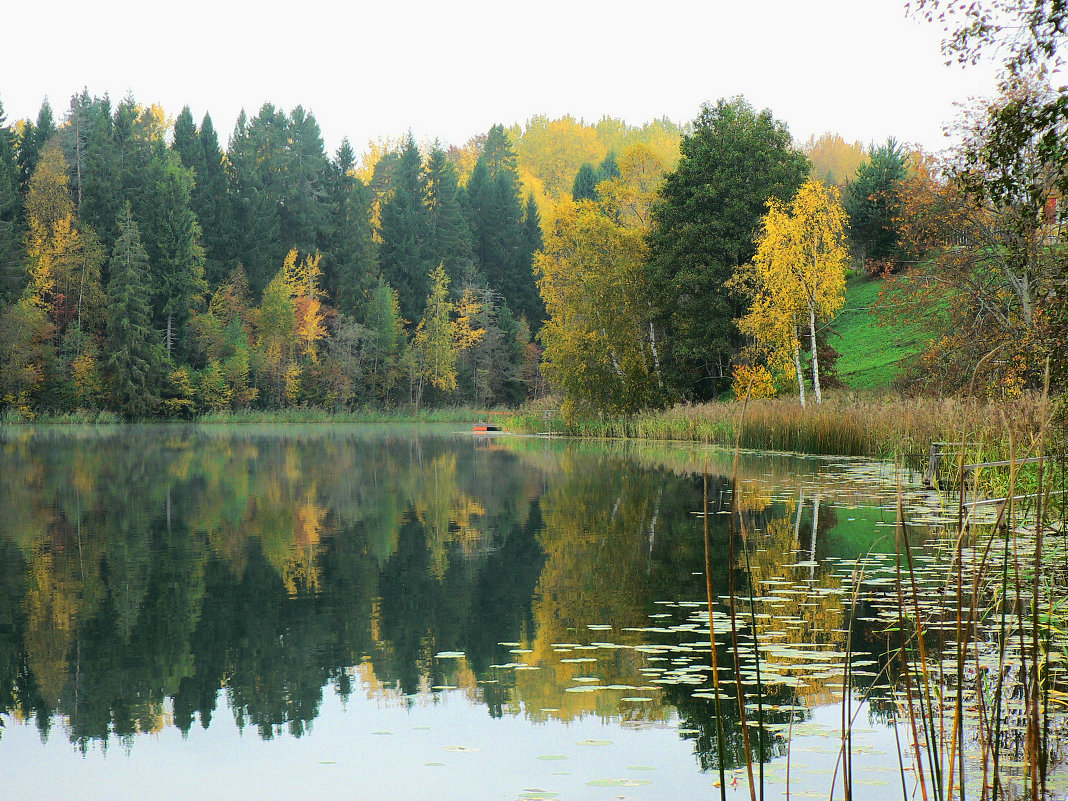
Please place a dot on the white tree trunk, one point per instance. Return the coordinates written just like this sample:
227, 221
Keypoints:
815, 359
800, 377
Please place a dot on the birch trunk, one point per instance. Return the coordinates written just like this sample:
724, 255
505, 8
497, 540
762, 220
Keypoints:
800, 377
815, 358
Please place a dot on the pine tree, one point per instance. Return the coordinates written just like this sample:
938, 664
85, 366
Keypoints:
404, 228
132, 366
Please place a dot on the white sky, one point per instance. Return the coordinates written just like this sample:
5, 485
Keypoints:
451, 69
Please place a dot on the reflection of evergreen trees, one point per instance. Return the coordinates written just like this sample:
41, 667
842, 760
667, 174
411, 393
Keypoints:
159, 568
267, 566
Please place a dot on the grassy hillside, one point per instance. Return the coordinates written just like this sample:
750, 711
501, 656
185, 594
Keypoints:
872, 355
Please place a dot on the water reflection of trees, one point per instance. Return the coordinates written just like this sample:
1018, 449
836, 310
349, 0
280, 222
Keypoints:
142, 573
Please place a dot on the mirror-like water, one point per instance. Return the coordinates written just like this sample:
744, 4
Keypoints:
417, 613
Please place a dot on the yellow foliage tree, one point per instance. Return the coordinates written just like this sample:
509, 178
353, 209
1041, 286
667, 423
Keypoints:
798, 273
600, 344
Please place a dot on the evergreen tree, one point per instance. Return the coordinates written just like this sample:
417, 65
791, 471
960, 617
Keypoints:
172, 237
185, 141
211, 203
75, 139
31, 142
585, 187
132, 362
873, 201
449, 240
12, 276
404, 228
302, 214
529, 304
498, 152
256, 152
102, 192
348, 246
608, 168
710, 207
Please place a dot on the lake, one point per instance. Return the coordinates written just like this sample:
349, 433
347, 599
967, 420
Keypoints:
390, 612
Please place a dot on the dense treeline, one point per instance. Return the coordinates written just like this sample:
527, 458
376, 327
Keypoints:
145, 269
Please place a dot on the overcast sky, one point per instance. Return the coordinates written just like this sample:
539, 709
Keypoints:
449, 70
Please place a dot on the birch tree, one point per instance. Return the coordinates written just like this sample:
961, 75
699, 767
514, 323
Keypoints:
797, 277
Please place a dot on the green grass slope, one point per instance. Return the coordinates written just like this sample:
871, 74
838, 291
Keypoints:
872, 355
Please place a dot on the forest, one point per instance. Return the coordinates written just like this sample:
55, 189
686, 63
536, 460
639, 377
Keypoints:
148, 271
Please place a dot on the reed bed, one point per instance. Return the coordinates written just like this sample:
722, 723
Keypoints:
845, 424
975, 621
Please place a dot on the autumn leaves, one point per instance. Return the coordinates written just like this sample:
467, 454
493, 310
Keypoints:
796, 281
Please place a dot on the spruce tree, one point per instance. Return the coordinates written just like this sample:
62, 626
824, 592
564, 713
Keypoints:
873, 201
404, 228
172, 241
12, 275
31, 142
530, 306
496, 217
212, 205
449, 241
102, 193
585, 186
303, 215
733, 160
348, 247
132, 366
255, 158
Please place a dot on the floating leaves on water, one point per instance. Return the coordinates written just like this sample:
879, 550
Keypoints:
434, 764
598, 627
578, 659
461, 749
449, 655
636, 699
619, 783
594, 742
640, 767
383, 733
552, 757
537, 795
327, 762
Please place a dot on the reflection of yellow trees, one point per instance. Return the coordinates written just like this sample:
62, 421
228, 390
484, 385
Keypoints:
51, 611
598, 529
448, 514
300, 569
807, 611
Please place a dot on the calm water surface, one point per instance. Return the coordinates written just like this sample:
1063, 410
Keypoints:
415, 613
